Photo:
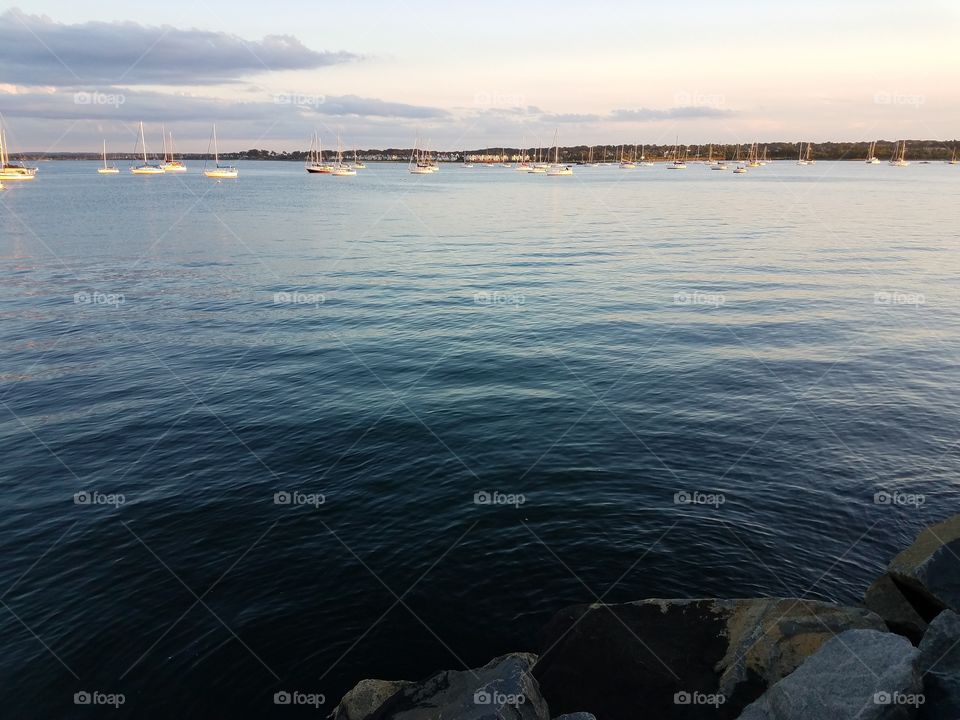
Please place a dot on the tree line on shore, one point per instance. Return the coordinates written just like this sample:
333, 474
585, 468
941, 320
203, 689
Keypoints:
916, 150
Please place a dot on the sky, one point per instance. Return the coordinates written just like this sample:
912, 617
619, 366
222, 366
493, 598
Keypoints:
490, 74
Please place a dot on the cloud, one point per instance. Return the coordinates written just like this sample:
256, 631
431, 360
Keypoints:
125, 105
675, 113
35, 50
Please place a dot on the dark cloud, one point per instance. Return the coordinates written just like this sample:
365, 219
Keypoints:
35, 50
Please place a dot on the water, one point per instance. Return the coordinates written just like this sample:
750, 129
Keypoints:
595, 343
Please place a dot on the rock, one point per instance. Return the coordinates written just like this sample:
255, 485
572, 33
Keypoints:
929, 570
858, 675
669, 656
366, 697
576, 716
886, 600
502, 689
940, 664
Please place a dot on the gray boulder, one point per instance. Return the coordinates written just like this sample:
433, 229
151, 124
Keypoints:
929, 570
576, 716
665, 656
886, 599
366, 697
502, 689
858, 675
940, 664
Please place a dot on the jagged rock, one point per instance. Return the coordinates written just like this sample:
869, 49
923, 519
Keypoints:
885, 599
656, 654
929, 570
858, 675
503, 688
576, 716
366, 697
940, 664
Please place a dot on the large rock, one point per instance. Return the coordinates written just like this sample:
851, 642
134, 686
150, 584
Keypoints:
940, 664
502, 689
366, 697
929, 570
886, 599
669, 656
858, 675
576, 716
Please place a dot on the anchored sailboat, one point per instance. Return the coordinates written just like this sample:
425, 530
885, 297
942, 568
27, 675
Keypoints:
225, 172
899, 158
146, 168
556, 169
169, 164
872, 158
107, 169
341, 169
10, 170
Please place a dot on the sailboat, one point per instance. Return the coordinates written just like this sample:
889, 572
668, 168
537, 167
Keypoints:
341, 169
169, 164
224, 172
872, 158
899, 158
624, 163
556, 169
953, 160
754, 157
806, 158
416, 166
146, 168
107, 169
717, 164
357, 164
678, 159
643, 162
315, 164
741, 168
539, 168
10, 170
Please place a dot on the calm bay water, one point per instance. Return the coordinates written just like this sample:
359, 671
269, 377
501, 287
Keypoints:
787, 340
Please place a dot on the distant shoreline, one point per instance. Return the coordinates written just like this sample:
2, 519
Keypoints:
917, 150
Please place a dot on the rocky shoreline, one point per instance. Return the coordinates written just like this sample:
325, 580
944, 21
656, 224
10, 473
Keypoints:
896, 657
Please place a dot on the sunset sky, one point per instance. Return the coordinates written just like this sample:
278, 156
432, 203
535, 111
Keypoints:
488, 74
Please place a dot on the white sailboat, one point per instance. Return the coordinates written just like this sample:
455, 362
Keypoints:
872, 158
741, 168
899, 158
357, 163
624, 163
314, 163
219, 172
556, 169
107, 169
953, 160
417, 166
342, 169
11, 170
170, 165
146, 168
